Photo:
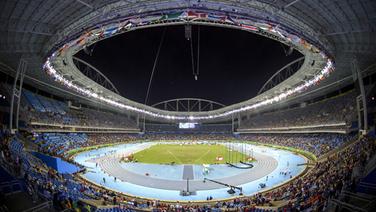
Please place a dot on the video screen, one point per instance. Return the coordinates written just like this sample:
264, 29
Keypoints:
187, 125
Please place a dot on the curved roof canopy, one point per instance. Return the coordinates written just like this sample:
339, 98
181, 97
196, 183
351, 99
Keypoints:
321, 30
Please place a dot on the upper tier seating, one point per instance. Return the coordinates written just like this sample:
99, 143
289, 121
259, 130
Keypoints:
339, 109
34, 101
317, 144
60, 143
38, 109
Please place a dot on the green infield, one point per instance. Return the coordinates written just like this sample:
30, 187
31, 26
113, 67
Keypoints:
188, 154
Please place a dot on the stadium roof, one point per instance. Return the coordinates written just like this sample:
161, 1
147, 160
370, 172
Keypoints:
232, 64
31, 29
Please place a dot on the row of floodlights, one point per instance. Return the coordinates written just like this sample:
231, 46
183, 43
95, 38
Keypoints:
112, 30
329, 67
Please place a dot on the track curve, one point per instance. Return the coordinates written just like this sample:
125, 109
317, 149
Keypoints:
111, 165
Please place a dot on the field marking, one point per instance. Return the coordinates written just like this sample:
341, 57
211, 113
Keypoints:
187, 156
178, 160
202, 155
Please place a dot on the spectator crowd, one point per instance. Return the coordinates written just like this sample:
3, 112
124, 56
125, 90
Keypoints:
339, 109
312, 191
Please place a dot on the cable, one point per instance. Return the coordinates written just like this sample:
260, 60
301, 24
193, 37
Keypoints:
192, 59
198, 53
155, 64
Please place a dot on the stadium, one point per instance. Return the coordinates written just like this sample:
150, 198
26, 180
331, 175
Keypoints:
230, 105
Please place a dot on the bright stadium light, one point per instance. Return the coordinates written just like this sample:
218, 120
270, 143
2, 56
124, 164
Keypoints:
327, 69
103, 32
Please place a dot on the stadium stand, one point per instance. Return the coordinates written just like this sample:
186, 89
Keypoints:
317, 190
67, 107
58, 144
199, 128
317, 144
42, 114
313, 191
334, 113
346, 156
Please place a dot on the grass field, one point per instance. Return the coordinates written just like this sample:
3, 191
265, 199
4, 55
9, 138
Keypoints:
186, 154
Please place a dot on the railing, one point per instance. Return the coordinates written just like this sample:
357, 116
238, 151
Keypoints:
341, 124
78, 126
42, 206
10, 187
360, 198
291, 131
371, 165
370, 206
85, 131
353, 202
336, 205
368, 188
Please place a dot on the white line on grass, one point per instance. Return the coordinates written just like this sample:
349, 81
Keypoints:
174, 156
202, 155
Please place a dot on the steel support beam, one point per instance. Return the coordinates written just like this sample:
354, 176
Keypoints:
290, 4
86, 4
232, 124
12, 51
344, 32
26, 26
29, 31
239, 120
97, 74
16, 93
277, 78
361, 100
359, 108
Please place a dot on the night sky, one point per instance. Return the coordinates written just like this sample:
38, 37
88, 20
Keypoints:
234, 64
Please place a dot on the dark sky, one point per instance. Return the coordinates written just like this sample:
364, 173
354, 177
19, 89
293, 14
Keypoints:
234, 64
